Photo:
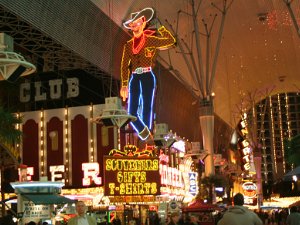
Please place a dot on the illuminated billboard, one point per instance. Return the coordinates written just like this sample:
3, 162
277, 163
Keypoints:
250, 193
131, 176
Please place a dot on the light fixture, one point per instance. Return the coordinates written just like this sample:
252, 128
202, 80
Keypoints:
295, 178
162, 136
113, 114
12, 64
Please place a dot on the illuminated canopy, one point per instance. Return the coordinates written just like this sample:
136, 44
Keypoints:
47, 199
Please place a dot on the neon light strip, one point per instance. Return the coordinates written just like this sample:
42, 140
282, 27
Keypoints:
273, 134
281, 132
36, 184
152, 100
92, 148
151, 110
42, 143
67, 147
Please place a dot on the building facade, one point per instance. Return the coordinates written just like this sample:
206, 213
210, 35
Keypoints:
276, 118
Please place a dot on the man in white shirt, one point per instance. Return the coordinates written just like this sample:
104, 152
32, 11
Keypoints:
81, 218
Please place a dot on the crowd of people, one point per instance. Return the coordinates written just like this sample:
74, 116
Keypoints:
275, 216
238, 214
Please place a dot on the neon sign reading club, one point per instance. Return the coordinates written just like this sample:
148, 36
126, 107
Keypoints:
55, 89
131, 176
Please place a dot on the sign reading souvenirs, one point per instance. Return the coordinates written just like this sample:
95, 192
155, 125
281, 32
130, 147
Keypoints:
131, 176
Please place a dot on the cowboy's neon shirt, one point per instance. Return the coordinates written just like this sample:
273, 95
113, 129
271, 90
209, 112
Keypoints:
147, 54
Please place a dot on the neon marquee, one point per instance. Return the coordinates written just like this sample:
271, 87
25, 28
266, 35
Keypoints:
131, 176
170, 176
90, 174
250, 193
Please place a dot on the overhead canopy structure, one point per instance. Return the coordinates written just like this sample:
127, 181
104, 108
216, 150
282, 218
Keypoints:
259, 51
47, 199
40, 192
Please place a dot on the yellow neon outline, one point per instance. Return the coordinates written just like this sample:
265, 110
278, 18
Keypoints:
165, 41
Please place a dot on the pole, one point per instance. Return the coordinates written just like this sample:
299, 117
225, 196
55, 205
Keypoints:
207, 126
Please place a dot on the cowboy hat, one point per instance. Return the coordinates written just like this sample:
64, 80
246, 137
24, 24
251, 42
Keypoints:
146, 12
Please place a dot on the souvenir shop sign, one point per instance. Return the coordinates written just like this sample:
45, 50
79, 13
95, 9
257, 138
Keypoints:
131, 176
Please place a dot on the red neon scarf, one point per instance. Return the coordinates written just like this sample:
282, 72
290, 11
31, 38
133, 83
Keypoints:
139, 42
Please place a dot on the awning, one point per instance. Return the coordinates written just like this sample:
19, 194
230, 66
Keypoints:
199, 206
47, 199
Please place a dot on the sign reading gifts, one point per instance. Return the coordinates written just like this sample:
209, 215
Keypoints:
131, 176
90, 173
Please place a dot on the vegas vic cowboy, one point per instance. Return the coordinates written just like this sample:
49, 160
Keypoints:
138, 80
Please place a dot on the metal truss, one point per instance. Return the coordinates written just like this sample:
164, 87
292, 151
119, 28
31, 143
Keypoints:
46, 53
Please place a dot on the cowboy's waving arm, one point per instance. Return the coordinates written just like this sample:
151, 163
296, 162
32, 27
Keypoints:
166, 40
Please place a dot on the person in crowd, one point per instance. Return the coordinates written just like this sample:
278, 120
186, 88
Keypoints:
132, 222
106, 221
81, 217
283, 214
154, 219
184, 219
137, 220
194, 220
189, 220
238, 214
31, 223
116, 221
218, 216
294, 217
174, 218
7, 220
